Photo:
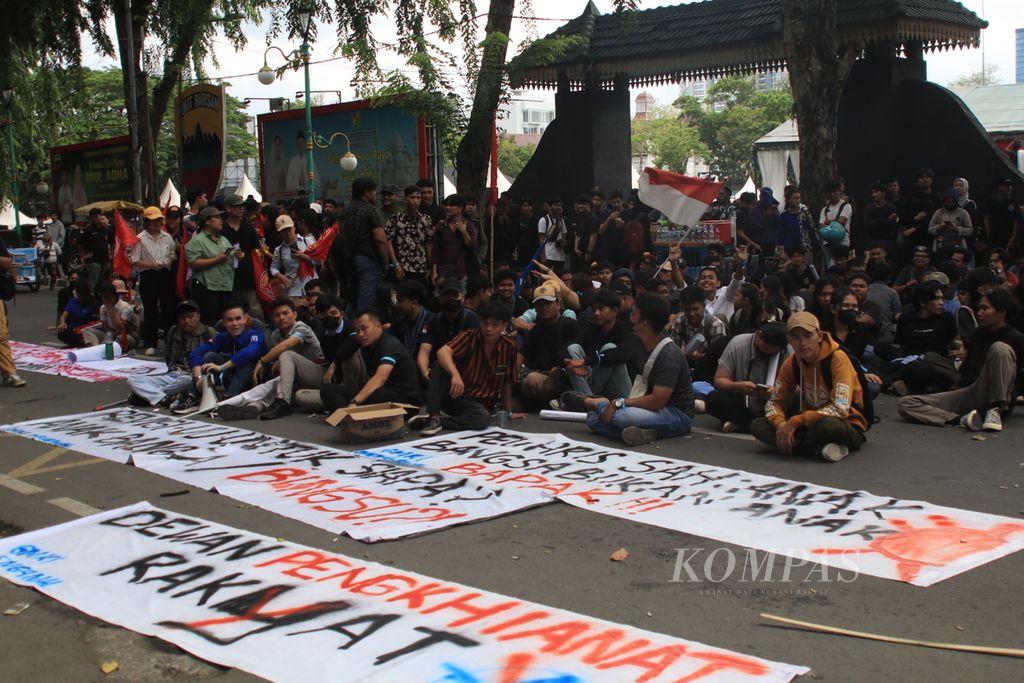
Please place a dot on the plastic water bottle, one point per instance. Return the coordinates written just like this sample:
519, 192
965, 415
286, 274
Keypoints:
108, 346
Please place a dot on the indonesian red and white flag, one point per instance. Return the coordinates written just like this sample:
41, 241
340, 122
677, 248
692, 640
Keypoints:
681, 198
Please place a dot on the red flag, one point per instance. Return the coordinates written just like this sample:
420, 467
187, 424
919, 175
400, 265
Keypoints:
181, 277
682, 198
123, 239
318, 251
261, 277
494, 162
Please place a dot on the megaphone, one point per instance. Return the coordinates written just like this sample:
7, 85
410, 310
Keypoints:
209, 398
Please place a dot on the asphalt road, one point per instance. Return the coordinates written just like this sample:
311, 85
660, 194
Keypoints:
556, 554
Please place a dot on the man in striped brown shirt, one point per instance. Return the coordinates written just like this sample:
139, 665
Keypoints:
474, 370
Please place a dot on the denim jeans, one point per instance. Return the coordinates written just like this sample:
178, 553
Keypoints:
156, 388
610, 381
366, 276
236, 380
669, 421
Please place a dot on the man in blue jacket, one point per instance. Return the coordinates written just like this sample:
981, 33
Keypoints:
232, 354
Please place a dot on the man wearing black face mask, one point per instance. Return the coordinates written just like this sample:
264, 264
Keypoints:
452, 319
332, 328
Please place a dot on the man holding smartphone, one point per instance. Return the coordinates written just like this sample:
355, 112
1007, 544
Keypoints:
209, 255
746, 371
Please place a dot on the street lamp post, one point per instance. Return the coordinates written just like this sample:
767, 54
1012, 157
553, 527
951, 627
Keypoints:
266, 76
8, 96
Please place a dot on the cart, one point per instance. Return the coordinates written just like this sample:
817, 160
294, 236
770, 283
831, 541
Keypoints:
28, 267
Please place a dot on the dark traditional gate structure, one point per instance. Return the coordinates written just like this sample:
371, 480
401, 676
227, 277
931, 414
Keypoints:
891, 119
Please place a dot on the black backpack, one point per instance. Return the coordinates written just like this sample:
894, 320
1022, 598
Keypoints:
825, 365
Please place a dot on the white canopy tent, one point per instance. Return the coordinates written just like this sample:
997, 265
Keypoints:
775, 151
170, 196
247, 189
7, 215
748, 186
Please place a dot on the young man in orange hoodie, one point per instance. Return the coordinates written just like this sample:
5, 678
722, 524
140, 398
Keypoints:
817, 403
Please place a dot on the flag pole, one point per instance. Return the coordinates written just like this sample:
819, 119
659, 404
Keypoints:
490, 245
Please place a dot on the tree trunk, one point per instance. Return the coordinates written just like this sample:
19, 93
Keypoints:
131, 58
816, 77
475, 147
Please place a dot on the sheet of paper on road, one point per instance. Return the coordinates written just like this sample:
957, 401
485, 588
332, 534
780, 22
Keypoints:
858, 531
50, 361
288, 612
365, 498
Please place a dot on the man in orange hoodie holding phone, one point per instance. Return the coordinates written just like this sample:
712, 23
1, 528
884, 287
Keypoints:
817, 405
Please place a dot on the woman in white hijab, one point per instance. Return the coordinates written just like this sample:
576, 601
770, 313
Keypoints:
964, 201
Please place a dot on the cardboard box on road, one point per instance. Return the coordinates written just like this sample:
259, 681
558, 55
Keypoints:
372, 422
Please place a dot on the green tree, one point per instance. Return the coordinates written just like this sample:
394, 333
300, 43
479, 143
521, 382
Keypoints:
733, 116
665, 140
987, 76
512, 157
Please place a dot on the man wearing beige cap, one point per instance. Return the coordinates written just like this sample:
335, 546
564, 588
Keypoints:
153, 257
289, 255
546, 347
817, 405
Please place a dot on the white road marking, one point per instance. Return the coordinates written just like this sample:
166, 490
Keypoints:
73, 506
18, 485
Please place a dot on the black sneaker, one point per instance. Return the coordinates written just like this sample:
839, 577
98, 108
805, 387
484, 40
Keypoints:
417, 419
432, 427
137, 401
238, 411
187, 405
637, 436
573, 402
279, 408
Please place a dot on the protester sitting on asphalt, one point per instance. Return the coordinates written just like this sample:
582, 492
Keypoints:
817, 404
990, 373
117, 318
695, 328
924, 337
745, 375
388, 372
182, 339
546, 347
231, 356
662, 406
294, 356
453, 318
474, 372
332, 328
720, 299
81, 311
604, 361
412, 324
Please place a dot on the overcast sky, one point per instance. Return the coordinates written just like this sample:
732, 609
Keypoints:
998, 51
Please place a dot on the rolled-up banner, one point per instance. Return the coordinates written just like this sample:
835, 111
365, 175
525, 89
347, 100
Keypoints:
92, 353
563, 415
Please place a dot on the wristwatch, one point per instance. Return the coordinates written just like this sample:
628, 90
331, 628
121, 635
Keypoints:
619, 403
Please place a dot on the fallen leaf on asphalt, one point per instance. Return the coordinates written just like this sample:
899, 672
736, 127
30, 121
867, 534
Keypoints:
619, 555
109, 667
16, 609
979, 437
959, 628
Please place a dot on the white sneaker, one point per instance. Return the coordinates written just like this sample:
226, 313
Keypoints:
730, 427
556, 404
13, 381
699, 407
993, 421
834, 452
637, 436
972, 421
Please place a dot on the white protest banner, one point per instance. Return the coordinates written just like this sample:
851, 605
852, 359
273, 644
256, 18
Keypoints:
50, 361
365, 498
854, 531
288, 612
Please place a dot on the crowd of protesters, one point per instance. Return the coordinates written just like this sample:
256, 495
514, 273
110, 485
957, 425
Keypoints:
788, 331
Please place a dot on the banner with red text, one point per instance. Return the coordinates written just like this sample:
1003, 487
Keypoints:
854, 531
288, 612
365, 498
50, 361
